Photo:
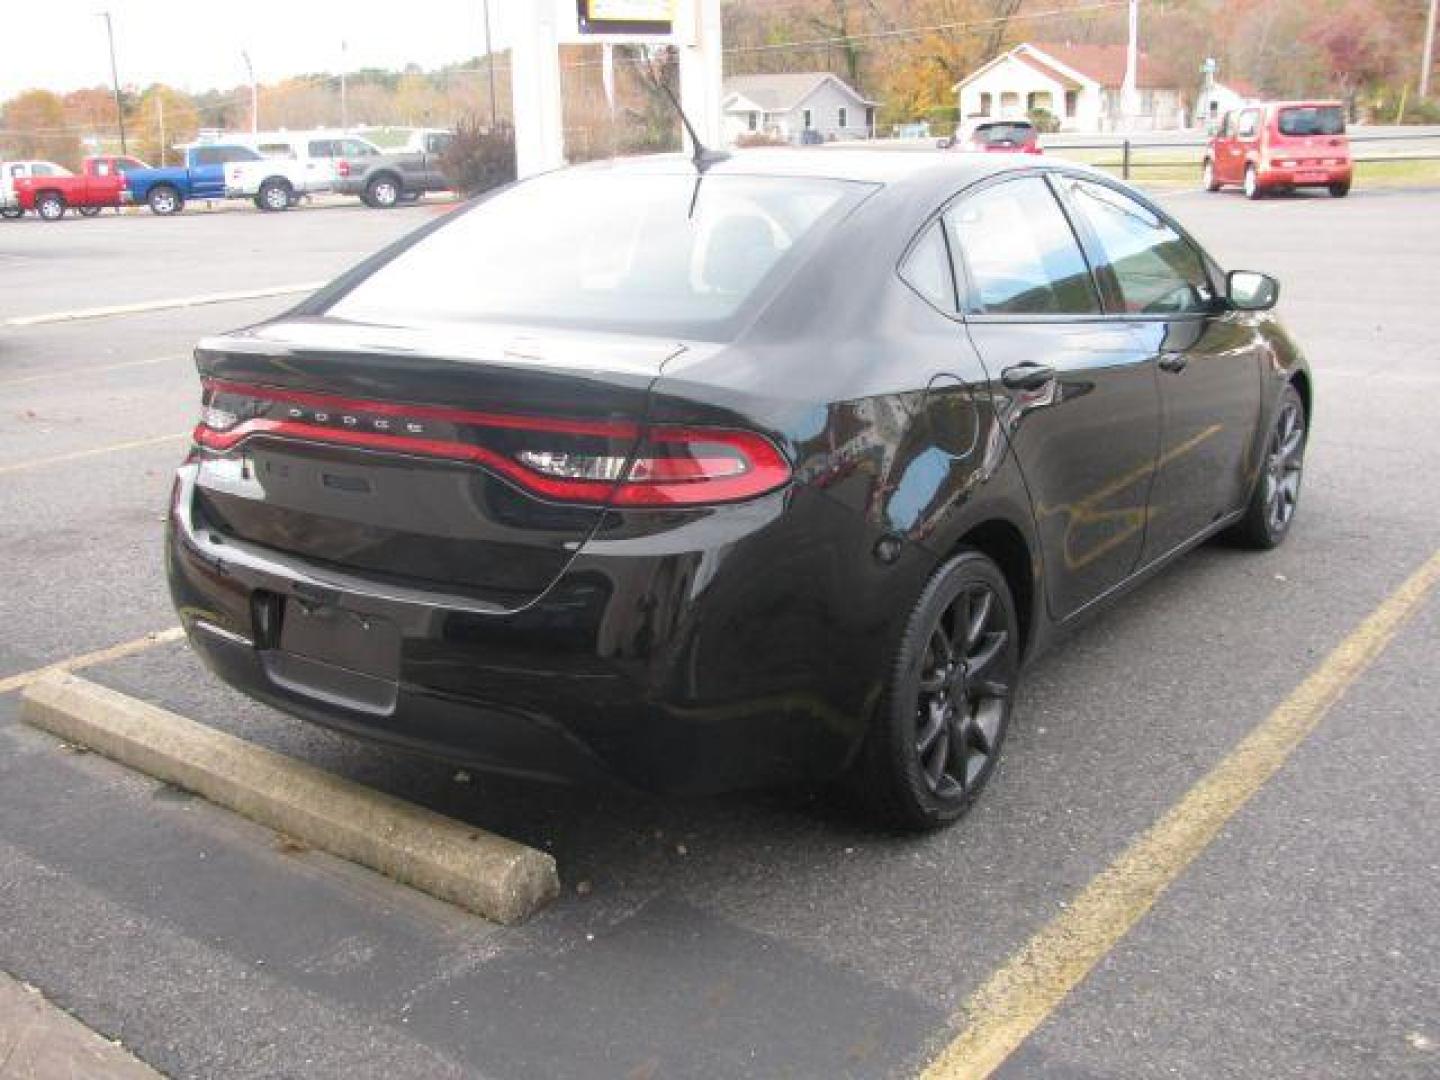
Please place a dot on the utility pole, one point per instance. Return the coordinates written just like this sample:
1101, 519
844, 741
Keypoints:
490, 62
1129, 105
160, 109
115, 78
1429, 60
254, 94
344, 112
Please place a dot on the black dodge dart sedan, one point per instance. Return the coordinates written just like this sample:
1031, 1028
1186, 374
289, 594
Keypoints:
777, 471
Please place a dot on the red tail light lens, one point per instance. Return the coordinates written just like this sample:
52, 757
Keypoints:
599, 462
343, 168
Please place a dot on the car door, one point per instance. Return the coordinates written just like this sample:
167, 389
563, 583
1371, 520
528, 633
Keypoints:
1222, 151
1207, 358
436, 143
1246, 144
207, 172
1076, 391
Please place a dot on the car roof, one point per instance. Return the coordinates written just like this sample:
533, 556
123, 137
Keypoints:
889, 167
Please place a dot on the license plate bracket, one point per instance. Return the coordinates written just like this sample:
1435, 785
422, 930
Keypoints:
336, 635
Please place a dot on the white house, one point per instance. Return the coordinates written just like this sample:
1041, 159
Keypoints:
1213, 103
786, 106
1077, 84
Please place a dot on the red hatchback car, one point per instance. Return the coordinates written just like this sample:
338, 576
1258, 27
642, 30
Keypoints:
1002, 137
1281, 146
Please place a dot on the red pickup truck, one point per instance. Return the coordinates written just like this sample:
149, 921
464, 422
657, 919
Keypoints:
101, 184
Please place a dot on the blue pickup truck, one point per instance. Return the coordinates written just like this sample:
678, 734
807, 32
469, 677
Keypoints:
201, 177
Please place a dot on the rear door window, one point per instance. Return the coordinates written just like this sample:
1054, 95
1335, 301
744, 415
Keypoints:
1020, 254
1156, 270
1249, 124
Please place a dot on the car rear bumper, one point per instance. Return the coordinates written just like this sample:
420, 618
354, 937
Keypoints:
697, 659
1306, 176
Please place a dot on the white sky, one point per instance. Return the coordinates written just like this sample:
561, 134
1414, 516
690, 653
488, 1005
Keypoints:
60, 44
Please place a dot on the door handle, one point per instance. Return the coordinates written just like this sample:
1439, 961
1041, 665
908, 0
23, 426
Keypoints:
1027, 376
1173, 362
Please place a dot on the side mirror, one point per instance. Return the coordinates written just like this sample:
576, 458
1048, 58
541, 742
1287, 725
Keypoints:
1248, 290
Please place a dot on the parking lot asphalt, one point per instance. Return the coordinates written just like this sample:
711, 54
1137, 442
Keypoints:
764, 934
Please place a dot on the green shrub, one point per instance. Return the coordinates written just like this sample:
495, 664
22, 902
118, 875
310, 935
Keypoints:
1044, 120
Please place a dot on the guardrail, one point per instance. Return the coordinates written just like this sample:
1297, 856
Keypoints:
1128, 162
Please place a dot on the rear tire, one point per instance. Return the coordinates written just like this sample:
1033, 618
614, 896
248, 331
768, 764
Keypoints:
1207, 176
1253, 190
274, 195
1272, 505
941, 722
1340, 190
165, 200
50, 206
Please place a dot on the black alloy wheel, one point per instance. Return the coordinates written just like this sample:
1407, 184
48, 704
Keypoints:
948, 701
1271, 509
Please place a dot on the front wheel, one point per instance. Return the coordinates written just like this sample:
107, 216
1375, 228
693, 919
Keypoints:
274, 195
1340, 189
382, 193
1207, 176
1272, 505
50, 206
937, 735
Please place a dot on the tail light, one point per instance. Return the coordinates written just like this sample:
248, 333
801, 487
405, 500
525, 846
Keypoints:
343, 168
596, 462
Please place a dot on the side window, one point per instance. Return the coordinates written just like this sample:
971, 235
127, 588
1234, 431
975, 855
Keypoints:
438, 142
236, 153
927, 269
1155, 268
1021, 255
102, 168
42, 170
206, 155
355, 148
1249, 123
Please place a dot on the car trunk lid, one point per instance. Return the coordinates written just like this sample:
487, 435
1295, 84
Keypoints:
472, 463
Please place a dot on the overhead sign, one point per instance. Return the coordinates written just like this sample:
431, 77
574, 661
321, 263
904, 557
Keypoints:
632, 19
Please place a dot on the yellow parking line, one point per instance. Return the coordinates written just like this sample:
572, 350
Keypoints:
60, 459
100, 656
1031, 985
76, 372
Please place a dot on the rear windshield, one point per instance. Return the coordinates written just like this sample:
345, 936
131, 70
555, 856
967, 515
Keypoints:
672, 254
1312, 120
998, 133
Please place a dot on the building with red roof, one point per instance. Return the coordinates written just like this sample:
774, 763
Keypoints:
1081, 85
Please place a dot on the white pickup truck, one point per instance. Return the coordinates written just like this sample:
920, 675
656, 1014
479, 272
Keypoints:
293, 164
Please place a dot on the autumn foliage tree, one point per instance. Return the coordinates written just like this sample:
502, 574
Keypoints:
34, 127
